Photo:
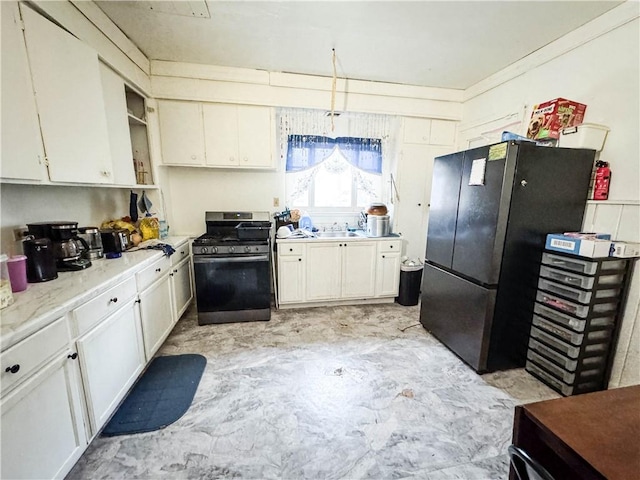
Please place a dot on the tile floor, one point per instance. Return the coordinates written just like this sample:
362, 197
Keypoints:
325, 393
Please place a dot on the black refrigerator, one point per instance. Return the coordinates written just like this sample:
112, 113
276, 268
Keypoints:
491, 208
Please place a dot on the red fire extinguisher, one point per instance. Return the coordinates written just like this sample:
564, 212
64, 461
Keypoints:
601, 184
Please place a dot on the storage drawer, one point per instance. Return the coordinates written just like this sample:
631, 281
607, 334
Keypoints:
180, 254
581, 311
389, 246
561, 373
557, 384
569, 335
578, 265
566, 348
580, 281
577, 295
576, 324
27, 356
565, 362
290, 249
88, 315
153, 272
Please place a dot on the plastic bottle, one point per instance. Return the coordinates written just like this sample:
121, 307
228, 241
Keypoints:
305, 222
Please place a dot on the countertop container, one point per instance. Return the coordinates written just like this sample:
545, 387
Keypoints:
6, 297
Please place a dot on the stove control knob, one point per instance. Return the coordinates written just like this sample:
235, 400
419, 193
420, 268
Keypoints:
204, 250
247, 249
214, 250
232, 249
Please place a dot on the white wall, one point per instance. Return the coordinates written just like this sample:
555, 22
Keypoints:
599, 65
89, 206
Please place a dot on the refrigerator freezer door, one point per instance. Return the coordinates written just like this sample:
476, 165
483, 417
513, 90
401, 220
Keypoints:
445, 190
481, 227
459, 313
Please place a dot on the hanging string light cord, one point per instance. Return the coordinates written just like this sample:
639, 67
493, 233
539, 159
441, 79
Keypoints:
333, 88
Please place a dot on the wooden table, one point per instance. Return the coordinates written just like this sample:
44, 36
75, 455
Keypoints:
590, 436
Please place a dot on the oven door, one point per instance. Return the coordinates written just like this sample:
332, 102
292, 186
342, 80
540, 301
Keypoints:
232, 289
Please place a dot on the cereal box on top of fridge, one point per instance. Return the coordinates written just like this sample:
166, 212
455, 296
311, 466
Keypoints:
549, 118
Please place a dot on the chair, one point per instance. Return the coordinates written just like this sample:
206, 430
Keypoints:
526, 468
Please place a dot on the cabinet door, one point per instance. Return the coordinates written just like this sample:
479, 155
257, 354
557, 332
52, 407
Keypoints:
323, 271
156, 313
181, 133
68, 90
388, 274
43, 431
358, 269
254, 137
221, 134
111, 357
181, 287
115, 103
290, 279
417, 130
22, 151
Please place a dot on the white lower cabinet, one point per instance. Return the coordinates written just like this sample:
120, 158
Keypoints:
111, 358
181, 287
156, 313
358, 269
291, 270
312, 271
43, 431
322, 275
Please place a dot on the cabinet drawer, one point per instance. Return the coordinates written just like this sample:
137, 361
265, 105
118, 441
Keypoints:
578, 265
577, 324
561, 373
581, 296
580, 281
31, 353
290, 249
569, 335
153, 272
576, 309
88, 315
180, 254
565, 362
389, 246
569, 350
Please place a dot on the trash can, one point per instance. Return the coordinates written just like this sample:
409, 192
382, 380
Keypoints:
410, 279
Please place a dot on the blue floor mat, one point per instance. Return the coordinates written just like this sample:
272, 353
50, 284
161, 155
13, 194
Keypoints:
162, 395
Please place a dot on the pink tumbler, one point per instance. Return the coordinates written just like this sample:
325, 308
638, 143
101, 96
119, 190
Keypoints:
17, 266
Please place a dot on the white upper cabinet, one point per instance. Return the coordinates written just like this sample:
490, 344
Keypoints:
115, 103
216, 135
429, 132
181, 133
238, 136
68, 89
22, 152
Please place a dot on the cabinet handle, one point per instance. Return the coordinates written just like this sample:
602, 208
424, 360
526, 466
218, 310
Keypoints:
390, 246
158, 270
171, 274
299, 259
114, 300
382, 256
73, 356
245, 159
13, 368
291, 249
182, 252
175, 271
193, 157
137, 301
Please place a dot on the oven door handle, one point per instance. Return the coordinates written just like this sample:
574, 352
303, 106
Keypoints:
208, 259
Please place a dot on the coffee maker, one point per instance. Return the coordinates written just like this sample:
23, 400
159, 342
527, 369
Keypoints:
68, 248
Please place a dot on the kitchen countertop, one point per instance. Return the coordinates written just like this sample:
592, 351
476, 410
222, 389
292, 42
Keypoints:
360, 237
42, 303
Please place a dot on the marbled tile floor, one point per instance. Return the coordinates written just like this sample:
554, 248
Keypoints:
342, 392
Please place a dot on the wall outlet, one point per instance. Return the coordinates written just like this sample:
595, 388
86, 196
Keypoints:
276, 201
19, 233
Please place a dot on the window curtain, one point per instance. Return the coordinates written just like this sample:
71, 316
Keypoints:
308, 151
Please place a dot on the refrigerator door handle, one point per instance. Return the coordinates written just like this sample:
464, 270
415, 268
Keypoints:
523, 183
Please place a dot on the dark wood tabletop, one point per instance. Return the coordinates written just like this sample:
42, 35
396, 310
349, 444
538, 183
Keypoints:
596, 435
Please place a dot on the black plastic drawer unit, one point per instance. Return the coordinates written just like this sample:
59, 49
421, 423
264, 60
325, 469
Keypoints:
576, 321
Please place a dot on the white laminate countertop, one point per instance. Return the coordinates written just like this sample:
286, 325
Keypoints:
359, 237
42, 303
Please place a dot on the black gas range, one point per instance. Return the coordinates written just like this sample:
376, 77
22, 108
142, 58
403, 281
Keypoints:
232, 268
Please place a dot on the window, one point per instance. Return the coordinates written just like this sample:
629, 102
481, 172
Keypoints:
340, 173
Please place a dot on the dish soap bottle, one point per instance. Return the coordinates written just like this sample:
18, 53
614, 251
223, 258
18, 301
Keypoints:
305, 222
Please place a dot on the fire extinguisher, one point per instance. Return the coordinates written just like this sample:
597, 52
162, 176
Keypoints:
602, 179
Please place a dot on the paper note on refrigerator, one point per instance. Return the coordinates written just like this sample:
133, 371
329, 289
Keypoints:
478, 168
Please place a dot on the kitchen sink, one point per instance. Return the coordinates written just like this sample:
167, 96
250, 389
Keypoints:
341, 234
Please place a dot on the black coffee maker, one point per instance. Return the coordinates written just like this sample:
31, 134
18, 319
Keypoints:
67, 246
41, 261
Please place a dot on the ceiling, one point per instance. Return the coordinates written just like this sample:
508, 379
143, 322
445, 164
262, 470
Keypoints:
451, 44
